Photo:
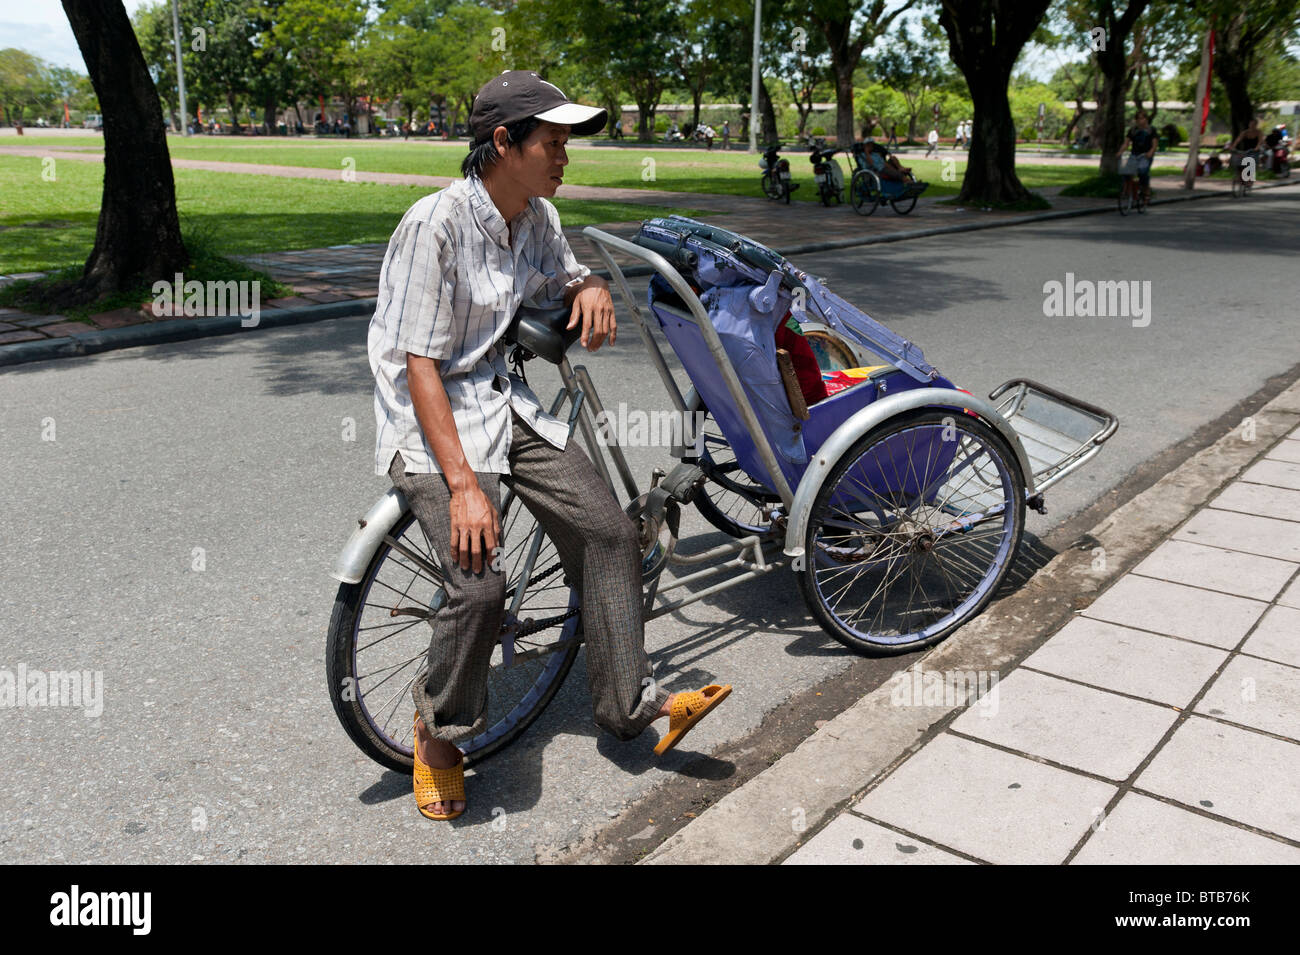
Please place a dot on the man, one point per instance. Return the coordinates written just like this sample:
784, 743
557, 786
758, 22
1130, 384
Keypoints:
452, 423
1141, 140
726, 134
885, 165
932, 143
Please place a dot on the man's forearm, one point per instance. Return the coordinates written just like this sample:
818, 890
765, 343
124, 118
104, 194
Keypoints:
433, 411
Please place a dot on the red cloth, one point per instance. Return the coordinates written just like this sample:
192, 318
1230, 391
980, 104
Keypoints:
806, 368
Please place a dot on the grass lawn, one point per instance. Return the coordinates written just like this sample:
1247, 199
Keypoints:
733, 173
46, 225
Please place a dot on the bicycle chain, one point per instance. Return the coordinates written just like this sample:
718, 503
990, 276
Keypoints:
545, 622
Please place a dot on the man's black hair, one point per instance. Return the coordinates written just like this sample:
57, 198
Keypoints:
483, 152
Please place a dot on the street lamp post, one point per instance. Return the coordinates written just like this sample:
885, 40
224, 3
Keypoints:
180, 70
753, 80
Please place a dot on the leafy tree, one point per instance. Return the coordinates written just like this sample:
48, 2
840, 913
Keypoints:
881, 103
26, 85
1246, 35
985, 38
324, 36
912, 67
461, 55
836, 18
138, 239
153, 30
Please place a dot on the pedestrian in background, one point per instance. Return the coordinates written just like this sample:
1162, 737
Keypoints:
932, 143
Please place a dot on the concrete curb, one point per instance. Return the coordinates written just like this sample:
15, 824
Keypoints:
830, 769
174, 330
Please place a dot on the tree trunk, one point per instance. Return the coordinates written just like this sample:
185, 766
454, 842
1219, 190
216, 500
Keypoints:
696, 96
645, 121
991, 163
1110, 122
138, 238
844, 98
767, 115
268, 114
1234, 76
1117, 71
612, 112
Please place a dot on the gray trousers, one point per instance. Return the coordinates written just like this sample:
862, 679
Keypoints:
601, 556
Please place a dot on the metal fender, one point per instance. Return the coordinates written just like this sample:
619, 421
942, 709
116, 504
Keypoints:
350, 565
869, 417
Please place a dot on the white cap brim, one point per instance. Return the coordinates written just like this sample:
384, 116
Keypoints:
584, 119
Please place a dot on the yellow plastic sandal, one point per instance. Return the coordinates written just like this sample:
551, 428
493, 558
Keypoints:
436, 785
688, 709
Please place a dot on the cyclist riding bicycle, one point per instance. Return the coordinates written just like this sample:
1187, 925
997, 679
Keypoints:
1141, 141
1247, 145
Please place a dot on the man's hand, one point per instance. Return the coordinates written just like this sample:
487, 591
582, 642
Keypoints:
593, 306
473, 519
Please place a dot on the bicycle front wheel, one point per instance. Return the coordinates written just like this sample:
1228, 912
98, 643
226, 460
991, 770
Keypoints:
379, 637
772, 185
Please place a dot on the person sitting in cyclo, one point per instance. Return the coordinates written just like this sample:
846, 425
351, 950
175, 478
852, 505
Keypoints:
885, 165
453, 425
1141, 141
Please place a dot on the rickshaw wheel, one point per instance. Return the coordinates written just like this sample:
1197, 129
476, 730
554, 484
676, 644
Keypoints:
372, 654
864, 192
903, 206
890, 567
725, 501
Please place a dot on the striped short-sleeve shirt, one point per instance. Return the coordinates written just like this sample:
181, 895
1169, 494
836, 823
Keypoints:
451, 281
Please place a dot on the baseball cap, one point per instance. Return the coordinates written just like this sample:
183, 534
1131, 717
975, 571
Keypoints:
519, 94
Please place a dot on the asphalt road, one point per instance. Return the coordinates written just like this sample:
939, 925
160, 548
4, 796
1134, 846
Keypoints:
216, 741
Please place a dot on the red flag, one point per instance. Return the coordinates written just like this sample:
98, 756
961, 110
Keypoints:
1209, 77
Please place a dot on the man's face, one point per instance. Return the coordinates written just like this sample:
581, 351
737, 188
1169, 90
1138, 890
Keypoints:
538, 165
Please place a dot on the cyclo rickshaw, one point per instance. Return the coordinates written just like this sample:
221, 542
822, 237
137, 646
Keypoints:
898, 503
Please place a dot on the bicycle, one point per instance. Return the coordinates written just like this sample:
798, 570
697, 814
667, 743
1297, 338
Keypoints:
1132, 197
826, 173
776, 174
1241, 182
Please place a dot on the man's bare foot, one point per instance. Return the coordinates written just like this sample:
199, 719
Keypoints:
666, 709
438, 754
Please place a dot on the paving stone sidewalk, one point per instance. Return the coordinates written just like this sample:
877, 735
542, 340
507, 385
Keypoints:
1160, 726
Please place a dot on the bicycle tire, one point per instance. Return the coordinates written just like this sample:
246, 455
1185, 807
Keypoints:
889, 541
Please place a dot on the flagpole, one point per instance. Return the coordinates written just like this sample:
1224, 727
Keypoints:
1198, 118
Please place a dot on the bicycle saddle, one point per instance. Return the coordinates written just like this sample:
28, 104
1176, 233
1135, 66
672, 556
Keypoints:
542, 332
